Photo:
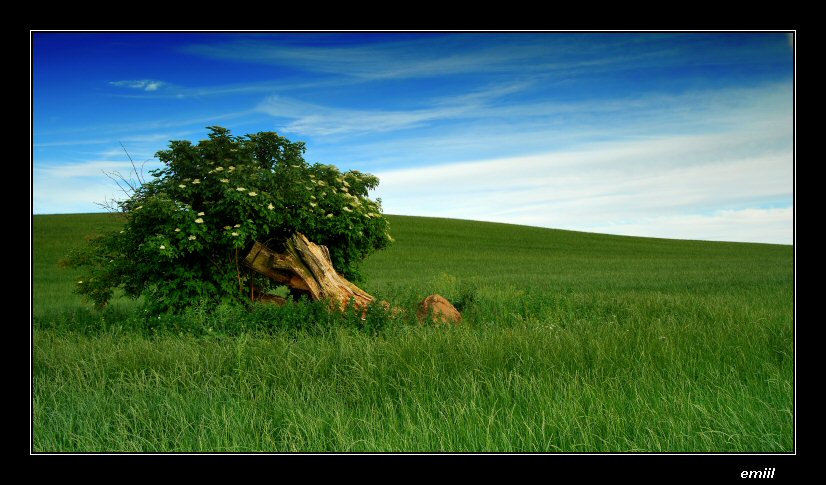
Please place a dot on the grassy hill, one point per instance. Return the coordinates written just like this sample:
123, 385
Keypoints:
571, 342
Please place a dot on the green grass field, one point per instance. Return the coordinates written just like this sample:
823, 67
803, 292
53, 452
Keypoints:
571, 342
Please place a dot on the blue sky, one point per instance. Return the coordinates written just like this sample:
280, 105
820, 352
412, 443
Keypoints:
677, 135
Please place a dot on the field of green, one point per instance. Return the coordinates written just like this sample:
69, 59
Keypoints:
571, 342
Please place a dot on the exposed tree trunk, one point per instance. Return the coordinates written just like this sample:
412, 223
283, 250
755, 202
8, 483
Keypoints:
305, 268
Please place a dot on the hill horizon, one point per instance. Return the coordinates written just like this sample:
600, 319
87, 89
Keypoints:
501, 223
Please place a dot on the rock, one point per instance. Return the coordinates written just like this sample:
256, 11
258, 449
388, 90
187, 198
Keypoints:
443, 311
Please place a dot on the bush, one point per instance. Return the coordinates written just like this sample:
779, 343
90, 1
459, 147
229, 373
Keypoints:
186, 229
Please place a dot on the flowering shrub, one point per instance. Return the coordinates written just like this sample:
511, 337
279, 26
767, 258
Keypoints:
187, 229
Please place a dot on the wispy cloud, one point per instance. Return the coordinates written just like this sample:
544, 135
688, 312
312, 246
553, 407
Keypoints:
481, 122
178, 91
316, 120
373, 57
409, 58
140, 84
622, 185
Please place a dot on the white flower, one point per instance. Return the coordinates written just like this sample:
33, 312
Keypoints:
312, 197
122, 232
177, 229
237, 225
139, 207
347, 209
313, 204
270, 206
231, 168
234, 233
227, 228
196, 181
192, 238
182, 186
187, 179
252, 194
345, 183
224, 181
80, 282
241, 189
219, 169
329, 216
199, 221
162, 247
201, 214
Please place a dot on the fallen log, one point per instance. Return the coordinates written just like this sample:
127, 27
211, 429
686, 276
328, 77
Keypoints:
306, 268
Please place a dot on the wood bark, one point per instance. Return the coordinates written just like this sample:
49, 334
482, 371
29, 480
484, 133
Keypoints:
306, 268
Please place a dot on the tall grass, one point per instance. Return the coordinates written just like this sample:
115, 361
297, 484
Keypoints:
570, 342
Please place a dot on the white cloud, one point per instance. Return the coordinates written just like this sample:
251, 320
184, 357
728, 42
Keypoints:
621, 185
772, 225
80, 187
141, 84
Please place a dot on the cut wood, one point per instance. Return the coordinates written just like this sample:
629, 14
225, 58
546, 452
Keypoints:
306, 268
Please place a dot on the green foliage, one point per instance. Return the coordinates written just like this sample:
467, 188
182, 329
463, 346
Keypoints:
187, 228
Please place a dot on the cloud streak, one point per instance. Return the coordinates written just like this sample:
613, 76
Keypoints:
384, 57
394, 59
318, 120
148, 85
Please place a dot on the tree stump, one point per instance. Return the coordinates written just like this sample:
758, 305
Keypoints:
305, 268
